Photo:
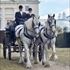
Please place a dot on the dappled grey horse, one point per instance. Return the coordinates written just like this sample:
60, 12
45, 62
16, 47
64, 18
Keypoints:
48, 38
25, 35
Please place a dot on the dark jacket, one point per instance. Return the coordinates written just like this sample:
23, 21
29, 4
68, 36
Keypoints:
20, 18
28, 16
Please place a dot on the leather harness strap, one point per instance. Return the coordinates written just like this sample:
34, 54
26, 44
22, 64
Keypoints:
26, 33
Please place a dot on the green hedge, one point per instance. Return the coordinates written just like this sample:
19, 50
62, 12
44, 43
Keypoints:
63, 40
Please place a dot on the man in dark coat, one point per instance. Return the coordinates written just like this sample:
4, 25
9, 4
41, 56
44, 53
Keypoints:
20, 16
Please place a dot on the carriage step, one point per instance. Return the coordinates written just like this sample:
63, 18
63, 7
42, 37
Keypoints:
17, 51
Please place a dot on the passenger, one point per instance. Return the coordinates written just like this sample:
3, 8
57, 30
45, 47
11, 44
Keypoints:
30, 14
20, 16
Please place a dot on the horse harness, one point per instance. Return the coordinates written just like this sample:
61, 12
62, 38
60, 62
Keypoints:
49, 36
26, 31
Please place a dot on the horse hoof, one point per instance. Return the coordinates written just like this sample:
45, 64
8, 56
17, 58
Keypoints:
28, 67
53, 58
47, 65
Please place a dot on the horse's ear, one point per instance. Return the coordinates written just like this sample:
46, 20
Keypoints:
48, 15
53, 15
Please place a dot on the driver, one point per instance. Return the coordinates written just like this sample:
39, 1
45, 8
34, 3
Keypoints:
20, 16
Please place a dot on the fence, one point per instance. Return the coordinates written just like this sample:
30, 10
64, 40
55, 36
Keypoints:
63, 40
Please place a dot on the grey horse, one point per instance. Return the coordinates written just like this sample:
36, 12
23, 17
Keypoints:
48, 38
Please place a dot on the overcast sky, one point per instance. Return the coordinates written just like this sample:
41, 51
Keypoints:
52, 6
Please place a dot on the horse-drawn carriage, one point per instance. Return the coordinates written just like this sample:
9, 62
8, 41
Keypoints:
9, 43
26, 35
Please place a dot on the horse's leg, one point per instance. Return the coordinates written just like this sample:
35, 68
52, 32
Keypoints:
28, 63
40, 53
36, 58
53, 56
31, 51
45, 56
20, 50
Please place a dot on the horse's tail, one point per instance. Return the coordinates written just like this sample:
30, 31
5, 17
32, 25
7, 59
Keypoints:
18, 29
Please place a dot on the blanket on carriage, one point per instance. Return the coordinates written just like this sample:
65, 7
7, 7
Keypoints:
10, 33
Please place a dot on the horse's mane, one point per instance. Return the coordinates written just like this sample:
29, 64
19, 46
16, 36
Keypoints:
28, 23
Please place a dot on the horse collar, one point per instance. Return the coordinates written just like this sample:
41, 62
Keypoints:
48, 35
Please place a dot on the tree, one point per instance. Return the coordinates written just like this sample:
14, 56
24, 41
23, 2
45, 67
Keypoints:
59, 30
63, 15
65, 29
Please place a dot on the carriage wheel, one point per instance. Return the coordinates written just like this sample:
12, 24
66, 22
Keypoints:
4, 51
40, 55
4, 48
9, 52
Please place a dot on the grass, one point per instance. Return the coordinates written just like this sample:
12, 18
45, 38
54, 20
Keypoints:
63, 58
63, 55
10, 65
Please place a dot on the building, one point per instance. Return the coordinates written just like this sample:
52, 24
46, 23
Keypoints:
9, 7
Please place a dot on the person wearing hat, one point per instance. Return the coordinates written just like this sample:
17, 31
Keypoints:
20, 16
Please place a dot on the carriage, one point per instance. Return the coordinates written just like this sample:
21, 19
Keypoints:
26, 35
9, 43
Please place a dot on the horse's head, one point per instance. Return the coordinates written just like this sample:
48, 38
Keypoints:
35, 25
51, 23
32, 24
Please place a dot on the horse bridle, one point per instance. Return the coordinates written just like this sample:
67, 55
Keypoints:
33, 25
50, 26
